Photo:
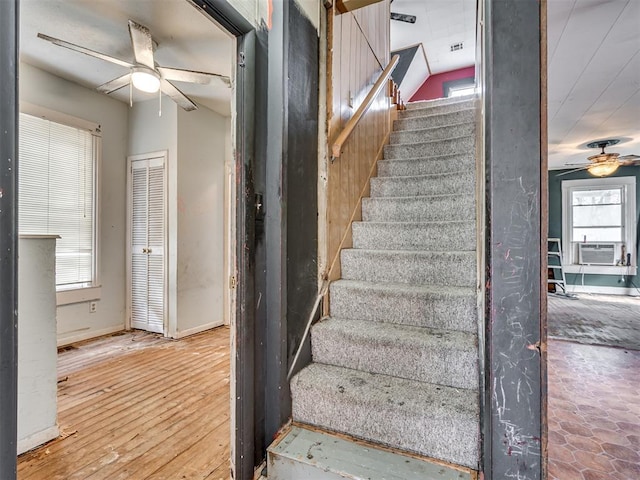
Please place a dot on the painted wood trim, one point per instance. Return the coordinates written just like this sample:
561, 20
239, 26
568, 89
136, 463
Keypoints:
344, 6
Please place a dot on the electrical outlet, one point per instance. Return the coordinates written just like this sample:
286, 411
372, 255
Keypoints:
93, 307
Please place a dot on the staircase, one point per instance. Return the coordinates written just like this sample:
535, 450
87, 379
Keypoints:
397, 362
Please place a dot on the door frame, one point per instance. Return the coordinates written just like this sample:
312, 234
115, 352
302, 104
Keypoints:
130, 159
9, 14
245, 377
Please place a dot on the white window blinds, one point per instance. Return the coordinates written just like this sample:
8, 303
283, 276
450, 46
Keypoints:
56, 193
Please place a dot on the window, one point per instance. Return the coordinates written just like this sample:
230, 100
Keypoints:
57, 194
600, 211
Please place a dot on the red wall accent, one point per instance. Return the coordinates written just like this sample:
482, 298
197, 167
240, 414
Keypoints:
432, 86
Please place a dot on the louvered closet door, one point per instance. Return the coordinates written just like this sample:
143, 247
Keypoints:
147, 284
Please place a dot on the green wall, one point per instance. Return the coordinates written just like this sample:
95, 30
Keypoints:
555, 226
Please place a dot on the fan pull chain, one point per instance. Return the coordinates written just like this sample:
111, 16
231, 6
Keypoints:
131, 94
160, 102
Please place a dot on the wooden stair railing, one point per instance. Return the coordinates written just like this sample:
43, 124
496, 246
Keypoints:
348, 129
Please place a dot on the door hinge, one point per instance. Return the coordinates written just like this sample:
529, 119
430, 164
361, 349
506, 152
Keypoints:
232, 282
241, 59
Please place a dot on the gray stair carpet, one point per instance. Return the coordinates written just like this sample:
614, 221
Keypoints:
396, 363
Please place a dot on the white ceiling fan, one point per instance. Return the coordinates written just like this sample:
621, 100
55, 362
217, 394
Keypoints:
604, 164
144, 73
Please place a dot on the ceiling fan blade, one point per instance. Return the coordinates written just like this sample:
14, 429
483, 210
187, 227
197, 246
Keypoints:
177, 96
574, 170
115, 84
629, 160
86, 51
142, 44
193, 76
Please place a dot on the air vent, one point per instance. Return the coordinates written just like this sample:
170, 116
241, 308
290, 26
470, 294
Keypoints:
401, 17
457, 46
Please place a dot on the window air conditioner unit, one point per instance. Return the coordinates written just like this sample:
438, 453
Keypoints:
597, 253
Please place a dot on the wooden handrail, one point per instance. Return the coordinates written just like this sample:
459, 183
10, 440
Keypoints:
362, 109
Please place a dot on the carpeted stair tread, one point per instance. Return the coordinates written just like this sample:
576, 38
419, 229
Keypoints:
435, 109
435, 120
446, 146
408, 266
444, 357
430, 134
421, 185
432, 306
425, 104
442, 235
424, 166
446, 206
428, 419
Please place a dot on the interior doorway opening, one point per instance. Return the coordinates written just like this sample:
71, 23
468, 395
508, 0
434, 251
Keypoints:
196, 229
594, 335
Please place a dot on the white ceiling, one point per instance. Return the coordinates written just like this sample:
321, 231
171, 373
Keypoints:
185, 37
439, 24
593, 55
594, 77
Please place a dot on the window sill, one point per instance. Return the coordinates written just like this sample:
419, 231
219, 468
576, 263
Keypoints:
601, 269
78, 295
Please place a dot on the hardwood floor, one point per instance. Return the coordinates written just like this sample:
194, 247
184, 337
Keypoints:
137, 406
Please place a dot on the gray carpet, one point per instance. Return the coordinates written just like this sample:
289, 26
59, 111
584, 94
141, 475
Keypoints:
609, 320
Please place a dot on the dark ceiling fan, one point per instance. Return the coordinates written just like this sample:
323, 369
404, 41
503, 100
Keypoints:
604, 164
144, 73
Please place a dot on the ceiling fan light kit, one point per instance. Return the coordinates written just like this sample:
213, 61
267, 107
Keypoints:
145, 80
603, 169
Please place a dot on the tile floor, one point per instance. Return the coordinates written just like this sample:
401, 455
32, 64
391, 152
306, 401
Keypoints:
594, 412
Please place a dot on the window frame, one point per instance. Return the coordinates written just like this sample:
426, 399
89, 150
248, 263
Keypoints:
65, 296
569, 253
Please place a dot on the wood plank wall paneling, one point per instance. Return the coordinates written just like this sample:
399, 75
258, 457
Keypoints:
359, 52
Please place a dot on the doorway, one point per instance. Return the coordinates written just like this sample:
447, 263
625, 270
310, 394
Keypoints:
115, 201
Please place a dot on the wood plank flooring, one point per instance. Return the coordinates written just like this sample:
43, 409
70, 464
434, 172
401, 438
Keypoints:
137, 406
611, 320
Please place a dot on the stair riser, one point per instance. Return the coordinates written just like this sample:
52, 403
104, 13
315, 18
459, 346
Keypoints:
432, 134
426, 236
445, 269
439, 364
414, 186
452, 146
434, 110
430, 310
419, 209
429, 121
453, 438
421, 166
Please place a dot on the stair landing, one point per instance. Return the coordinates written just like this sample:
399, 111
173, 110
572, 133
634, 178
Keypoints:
311, 454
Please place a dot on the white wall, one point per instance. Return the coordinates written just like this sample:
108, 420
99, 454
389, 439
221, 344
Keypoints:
75, 322
201, 205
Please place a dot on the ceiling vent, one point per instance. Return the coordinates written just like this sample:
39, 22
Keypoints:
456, 46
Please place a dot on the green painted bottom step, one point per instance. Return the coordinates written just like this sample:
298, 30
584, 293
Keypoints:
305, 454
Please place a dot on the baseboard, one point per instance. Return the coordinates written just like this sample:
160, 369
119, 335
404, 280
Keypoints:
602, 290
200, 329
37, 439
87, 334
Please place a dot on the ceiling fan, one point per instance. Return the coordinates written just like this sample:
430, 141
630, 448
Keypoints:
604, 164
144, 73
